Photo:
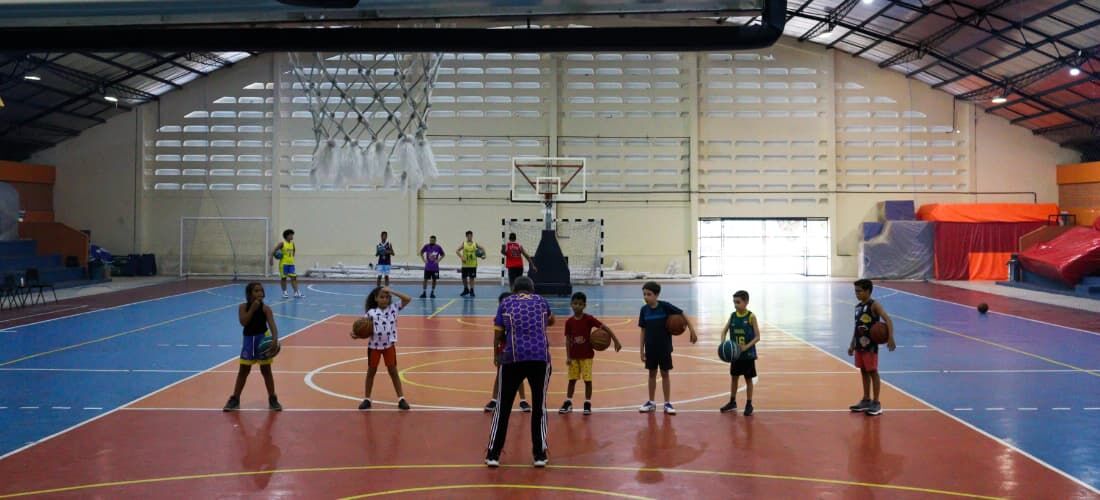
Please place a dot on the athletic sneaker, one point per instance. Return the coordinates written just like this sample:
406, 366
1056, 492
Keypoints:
748, 409
875, 408
491, 406
234, 403
273, 403
493, 462
465, 292
731, 406
472, 293
862, 405
524, 406
365, 405
433, 294
566, 407
587, 408
423, 295
298, 295
402, 404
648, 407
286, 295
669, 410
541, 460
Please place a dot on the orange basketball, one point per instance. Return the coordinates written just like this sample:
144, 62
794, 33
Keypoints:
600, 339
879, 334
676, 324
363, 328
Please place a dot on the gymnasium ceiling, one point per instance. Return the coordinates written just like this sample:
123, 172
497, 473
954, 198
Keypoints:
60, 60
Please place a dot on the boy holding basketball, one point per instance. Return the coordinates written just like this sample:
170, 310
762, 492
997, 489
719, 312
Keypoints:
261, 344
656, 343
384, 251
745, 332
579, 352
469, 252
284, 253
865, 350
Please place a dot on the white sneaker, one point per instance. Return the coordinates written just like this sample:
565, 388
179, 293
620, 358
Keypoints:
648, 407
286, 295
541, 461
492, 462
298, 295
669, 409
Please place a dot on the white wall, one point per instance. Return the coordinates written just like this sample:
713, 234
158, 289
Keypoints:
789, 131
97, 174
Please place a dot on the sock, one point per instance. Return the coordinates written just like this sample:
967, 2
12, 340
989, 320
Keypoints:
589, 401
492, 400
749, 401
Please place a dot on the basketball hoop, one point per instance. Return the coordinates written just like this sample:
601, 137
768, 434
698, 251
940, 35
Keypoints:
548, 181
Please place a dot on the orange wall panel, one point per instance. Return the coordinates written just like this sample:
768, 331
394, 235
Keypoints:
11, 171
1079, 173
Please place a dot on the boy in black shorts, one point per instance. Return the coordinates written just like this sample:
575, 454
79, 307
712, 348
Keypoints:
657, 343
745, 331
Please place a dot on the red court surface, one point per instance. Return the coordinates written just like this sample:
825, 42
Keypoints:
802, 442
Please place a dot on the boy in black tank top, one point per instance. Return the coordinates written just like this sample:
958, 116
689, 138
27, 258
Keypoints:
868, 312
259, 326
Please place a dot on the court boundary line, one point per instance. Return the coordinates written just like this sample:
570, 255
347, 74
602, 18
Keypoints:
122, 305
138, 399
943, 412
456, 409
1033, 320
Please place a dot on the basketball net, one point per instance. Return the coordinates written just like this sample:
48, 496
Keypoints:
370, 117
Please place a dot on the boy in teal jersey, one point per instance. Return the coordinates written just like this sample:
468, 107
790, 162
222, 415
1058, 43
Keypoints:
745, 331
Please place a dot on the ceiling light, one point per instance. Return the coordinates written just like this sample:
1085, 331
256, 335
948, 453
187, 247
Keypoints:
110, 98
1074, 71
32, 77
1000, 99
868, 2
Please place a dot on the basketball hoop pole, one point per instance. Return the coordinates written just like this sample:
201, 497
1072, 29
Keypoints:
548, 213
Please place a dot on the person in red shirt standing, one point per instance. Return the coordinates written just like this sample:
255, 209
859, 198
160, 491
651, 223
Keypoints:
514, 253
579, 352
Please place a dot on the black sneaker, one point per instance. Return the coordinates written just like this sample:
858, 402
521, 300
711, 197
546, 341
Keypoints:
233, 404
524, 406
491, 406
748, 409
587, 408
433, 294
273, 403
874, 409
731, 406
566, 407
402, 404
465, 292
472, 293
365, 405
492, 462
541, 460
423, 295
862, 405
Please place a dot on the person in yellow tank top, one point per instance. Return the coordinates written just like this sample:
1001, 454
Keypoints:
284, 253
469, 252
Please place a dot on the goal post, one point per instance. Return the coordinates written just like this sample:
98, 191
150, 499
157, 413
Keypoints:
224, 246
581, 242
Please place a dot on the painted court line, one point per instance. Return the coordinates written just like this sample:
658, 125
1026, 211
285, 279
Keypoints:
963, 422
458, 409
140, 398
55, 311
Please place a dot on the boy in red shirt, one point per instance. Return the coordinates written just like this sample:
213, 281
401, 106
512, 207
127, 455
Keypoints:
579, 352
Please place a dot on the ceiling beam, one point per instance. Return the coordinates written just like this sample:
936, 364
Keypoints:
124, 67
935, 39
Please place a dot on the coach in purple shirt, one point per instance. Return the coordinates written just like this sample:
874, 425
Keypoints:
520, 326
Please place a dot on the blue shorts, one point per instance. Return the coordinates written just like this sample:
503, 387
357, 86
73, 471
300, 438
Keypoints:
383, 269
287, 271
250, 350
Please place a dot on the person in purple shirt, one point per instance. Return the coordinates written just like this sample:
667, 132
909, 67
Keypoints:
520, 325
431, 254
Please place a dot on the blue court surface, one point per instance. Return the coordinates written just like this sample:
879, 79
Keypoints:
1032, 384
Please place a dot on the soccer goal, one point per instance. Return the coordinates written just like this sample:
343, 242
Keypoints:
581, 242
224, 246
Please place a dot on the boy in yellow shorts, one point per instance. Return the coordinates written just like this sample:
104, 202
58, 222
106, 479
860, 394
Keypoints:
284, 253
579, 352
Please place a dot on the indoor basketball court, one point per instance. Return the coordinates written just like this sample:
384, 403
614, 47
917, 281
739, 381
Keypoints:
285, 249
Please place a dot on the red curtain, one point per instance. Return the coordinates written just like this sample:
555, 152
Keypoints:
979, 251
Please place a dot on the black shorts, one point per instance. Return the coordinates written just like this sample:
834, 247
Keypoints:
746, 367
431, 275
469, 272
655, 360
513, 273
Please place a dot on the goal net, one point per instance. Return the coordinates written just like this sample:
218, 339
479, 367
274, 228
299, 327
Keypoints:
581, 242
224, 246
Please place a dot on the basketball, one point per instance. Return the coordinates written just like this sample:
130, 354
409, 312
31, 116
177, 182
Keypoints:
983, 308
278, 254
879, 335
728, 351
362, 328
479, 253
676, 324
380, 250
265, 345
600, 339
